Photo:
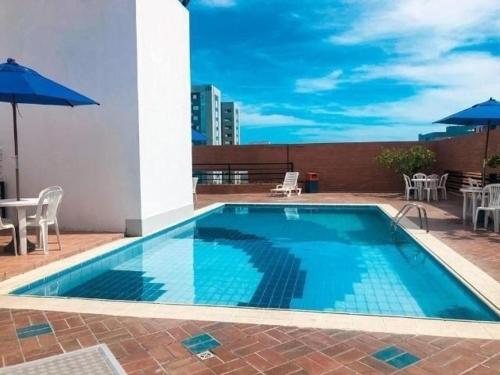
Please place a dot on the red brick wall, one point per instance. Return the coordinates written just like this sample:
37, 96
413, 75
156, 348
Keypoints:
346, 166
465, 153
341, 166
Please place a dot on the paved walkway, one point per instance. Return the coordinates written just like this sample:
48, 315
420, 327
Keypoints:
153, 346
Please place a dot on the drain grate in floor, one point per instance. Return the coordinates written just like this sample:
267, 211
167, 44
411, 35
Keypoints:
200, 343
396, 357
34, 330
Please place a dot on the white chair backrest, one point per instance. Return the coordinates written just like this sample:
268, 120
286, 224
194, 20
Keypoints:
291, 179
474, 183
442, 180
419, 175
195, 183
492, 193
51, 197
431, 181
407, 179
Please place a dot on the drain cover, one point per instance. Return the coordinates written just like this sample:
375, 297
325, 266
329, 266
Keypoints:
205, 355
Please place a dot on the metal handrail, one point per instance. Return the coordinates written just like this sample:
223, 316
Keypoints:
405, 209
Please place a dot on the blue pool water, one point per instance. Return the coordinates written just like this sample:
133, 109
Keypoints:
320, 258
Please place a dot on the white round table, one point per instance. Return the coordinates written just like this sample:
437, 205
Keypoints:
20, 206
473, 193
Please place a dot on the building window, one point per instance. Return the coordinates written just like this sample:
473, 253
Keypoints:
195, 107
194, 96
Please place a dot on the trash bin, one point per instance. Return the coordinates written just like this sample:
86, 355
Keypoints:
312, 182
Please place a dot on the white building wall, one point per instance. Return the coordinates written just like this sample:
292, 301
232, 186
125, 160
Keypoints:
94, 152
164, 112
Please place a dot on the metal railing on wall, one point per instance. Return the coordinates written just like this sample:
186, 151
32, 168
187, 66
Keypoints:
240, 173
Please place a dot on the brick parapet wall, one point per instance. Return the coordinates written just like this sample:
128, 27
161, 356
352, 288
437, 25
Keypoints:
347, 166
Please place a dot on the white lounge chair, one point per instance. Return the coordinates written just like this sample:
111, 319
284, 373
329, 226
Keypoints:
46, 214
490, 203
409, 187
289, 185
7, 225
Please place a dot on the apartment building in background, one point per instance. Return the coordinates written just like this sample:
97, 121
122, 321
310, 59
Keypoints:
206, 112
230, 112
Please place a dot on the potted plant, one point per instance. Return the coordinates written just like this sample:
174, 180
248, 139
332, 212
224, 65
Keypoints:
493, 162
407, 161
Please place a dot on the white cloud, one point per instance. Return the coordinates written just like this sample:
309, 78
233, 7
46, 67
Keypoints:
446, 85
424, 28
256, 116
325, 83
362, 133
218, 3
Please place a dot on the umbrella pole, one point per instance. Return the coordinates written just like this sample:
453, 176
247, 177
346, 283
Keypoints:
16, 151
486, 151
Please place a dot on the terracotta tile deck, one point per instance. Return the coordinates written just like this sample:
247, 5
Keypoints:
152, 346
72, 243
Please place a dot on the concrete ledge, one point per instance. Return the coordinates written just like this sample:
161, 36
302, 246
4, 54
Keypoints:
142, 227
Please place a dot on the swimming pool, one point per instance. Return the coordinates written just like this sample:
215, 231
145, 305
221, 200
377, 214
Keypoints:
342, 259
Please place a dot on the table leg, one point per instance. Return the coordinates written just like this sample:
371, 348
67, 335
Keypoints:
21, 222
464, 208
474, 204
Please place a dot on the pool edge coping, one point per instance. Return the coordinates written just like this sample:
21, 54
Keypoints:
482, 284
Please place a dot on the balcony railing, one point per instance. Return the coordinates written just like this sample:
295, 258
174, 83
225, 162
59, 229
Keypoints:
241, 173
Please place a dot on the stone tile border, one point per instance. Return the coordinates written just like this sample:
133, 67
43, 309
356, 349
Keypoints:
479, 282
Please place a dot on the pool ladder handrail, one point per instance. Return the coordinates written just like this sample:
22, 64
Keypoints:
405, 209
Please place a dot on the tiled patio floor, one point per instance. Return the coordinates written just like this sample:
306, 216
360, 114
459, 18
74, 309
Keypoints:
152, 346
72, 243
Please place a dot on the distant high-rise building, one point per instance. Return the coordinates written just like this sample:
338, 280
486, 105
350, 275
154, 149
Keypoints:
451, 132
206, 112
230, 123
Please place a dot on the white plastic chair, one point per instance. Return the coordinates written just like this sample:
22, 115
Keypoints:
195, 184
474, 183
289, 185
490, 203
442, 185
46, 214
431, 187
7, 225
420, 184
409, 187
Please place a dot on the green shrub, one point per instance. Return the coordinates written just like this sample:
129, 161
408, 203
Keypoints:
493, 161
407, 161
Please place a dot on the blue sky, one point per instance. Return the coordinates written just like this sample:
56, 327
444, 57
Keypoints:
346, 70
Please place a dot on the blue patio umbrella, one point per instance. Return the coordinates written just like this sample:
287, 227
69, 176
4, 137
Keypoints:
19, 84
197, 136
483, 114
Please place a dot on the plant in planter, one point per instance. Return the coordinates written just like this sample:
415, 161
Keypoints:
407, 161
493, 162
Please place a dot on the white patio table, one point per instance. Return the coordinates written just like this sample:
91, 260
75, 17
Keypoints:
20, 207
472, 193
420, 182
